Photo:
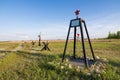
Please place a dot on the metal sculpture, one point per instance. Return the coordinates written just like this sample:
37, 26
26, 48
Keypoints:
45, 46
74, 23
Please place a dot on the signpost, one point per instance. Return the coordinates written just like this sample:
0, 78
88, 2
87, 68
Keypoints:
74, 23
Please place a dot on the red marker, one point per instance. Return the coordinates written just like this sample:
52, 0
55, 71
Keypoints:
78, 35
77, 12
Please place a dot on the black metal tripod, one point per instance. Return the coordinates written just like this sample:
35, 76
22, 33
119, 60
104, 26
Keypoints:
74, 24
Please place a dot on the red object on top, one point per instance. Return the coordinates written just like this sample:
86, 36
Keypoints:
78, 35
77, 12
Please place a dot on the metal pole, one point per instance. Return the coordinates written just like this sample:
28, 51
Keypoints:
74, 47
83, 45
39, 43
89, 40
66, 43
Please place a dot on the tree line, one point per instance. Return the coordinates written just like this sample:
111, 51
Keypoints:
114, 35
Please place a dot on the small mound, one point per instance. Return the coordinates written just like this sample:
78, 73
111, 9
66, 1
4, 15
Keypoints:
80, 62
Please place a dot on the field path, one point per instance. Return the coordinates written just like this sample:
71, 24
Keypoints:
19, 47
4, 52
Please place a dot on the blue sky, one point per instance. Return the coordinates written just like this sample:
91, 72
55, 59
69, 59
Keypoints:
25, 19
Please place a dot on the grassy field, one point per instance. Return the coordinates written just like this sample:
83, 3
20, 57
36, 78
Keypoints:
25, 62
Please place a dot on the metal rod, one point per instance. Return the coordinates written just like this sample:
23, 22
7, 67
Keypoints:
66, 43
89, 40
74, 47
83, 45
39, 43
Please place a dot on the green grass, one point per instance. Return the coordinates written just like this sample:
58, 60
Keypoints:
29, 63
8, 45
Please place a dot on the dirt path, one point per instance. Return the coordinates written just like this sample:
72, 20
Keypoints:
5, 52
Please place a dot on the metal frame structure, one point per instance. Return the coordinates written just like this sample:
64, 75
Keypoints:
79, 24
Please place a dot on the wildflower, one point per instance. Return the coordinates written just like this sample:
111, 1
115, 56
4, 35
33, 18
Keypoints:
88, 73
66, 64
66, 72
104, 60
50, 63
97, 67
99, 75
78, 67
62, 67
66, 60
97, 70
70, 66
97, 57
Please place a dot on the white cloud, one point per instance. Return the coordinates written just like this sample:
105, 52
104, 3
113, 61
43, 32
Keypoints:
101, 26
13, 36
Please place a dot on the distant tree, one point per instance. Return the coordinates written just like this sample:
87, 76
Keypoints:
118, 34
114, 35
111, 35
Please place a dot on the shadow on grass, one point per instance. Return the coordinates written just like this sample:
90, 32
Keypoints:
31, 55
38, 54
35, 49
115, 63
42, 60
6, 51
